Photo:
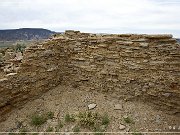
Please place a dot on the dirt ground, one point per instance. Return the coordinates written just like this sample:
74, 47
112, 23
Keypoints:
67, 100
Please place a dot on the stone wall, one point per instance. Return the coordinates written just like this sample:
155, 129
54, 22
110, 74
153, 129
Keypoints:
127, 66
39, 71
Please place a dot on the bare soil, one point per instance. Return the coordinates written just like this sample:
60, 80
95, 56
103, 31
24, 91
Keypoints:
67, 100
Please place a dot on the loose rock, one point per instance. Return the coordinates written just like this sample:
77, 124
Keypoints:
91, 106
118, 107
121, 127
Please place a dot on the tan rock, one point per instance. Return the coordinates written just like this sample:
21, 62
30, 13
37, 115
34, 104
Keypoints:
118, 107
122, 127
91, 106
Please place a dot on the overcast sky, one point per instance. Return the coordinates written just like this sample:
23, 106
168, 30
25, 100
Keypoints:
105, 16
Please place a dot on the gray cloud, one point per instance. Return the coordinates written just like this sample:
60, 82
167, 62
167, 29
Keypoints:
110, 16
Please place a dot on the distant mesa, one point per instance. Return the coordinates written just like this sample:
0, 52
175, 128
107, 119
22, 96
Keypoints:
178, 39
25, 34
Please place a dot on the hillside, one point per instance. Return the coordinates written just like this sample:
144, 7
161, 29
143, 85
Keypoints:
178, 39
24, 34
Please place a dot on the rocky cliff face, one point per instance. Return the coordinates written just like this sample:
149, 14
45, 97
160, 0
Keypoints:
127, 66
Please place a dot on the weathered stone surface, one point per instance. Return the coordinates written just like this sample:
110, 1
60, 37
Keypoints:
19, 56
91, 106
144, 44
3, 79
118, 107
122, 127
11, 74
158, 36
9, 55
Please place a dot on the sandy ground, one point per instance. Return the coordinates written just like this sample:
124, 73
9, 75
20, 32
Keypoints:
63, 100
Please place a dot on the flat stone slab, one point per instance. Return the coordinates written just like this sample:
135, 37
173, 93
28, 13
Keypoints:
11, 74
122, 127
3, 79
118, 107
91, 106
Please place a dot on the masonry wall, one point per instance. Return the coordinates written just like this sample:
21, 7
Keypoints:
40, 71
143, 67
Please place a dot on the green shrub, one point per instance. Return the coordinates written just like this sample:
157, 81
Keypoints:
105, 120
22, 131
69, 118
12, 134
76, 129
60, 124
128, 120
49, 129
88, 119
19, 47
38, 120
50, 115
98, 130
136, 133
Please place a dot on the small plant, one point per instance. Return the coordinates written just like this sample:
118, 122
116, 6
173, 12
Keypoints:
98, 131
105, 120
50, 115
23, 131
12, 134
60, 124
38, 120
49, 129
128, 120
76, 129
19, 47
69, 118
88, 119
136, 133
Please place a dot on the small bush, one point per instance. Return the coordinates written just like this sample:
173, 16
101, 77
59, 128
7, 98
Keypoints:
105, 120
19, 47
128, 120
136, 133
69, 118
38, 120
22, 131
49, 129
88, 119
50, 115
12, 134
98, 131
60, 124
76, 129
